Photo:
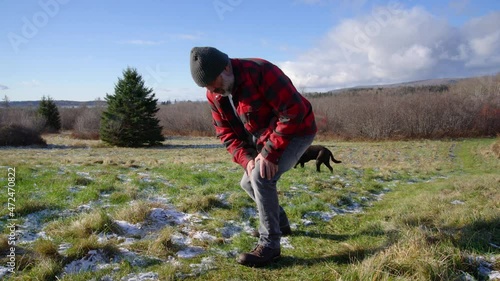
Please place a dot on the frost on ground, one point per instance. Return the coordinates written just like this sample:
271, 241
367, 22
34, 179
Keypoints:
140, 276
31, 228
189, 229
158, 218
4, 271
94, 260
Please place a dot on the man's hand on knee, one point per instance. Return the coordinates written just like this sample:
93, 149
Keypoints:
250, 167
267, 168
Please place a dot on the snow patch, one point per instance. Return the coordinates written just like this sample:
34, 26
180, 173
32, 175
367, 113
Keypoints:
4, 271
207, 263
129, 229
30, 229
141, 276
190, 252
325, 216
232, 228
203, 236
93, 261
157, 219
285, 243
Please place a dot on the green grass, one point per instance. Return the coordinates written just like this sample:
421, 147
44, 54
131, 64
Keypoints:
428, 207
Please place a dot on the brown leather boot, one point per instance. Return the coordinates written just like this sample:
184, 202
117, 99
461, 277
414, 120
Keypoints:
260, 256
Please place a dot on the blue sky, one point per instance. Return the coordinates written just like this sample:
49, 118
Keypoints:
77, 49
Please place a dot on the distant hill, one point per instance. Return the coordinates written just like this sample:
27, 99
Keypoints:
59, 103
419, 83
429, 82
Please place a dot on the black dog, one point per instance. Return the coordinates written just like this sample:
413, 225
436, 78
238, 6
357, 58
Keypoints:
321, 154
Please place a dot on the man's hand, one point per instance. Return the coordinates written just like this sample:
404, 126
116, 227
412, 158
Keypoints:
267, 168
250, 167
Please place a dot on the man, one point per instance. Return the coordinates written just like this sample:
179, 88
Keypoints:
265, 124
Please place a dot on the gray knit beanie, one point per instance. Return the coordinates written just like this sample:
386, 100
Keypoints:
206, 64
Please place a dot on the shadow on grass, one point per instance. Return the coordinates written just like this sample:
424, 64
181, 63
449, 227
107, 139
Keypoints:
481, 236
346, 256
342, 258
341, 237
329, 236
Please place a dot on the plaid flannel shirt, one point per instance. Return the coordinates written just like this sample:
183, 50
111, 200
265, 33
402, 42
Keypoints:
270, 112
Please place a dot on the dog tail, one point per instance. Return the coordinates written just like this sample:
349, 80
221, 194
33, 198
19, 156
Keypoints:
334, 160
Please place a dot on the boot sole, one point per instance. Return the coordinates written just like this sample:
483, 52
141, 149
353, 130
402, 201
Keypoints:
253, 264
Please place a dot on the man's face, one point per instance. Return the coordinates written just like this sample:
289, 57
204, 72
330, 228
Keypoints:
223, 84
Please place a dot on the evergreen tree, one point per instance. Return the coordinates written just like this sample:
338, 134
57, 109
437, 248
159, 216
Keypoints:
129, 120
48, 110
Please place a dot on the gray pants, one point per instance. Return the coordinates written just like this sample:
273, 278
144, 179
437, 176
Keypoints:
264, 192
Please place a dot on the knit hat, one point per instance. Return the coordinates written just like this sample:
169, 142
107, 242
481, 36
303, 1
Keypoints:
206, 64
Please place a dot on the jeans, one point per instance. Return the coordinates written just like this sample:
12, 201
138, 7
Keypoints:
264, 192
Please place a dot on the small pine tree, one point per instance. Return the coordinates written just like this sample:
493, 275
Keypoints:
129, 120
48, 110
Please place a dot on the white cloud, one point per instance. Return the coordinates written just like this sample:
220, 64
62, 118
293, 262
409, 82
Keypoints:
2, 87
392, 45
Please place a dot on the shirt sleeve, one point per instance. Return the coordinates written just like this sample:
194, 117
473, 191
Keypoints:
289, 106
235, 143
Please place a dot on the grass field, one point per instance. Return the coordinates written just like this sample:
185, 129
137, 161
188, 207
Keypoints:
413, 210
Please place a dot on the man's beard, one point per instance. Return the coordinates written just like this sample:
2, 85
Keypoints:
227, 85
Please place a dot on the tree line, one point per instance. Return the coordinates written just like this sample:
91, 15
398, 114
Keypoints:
468, 108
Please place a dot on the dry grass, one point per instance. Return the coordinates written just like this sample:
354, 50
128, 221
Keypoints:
47, 249
41, 262
30, 206
161, 246
412, 257
66, 139
386, 157
89, 152
4, 244
433, 234
83, 226
82, 246
45, 269
496, 147
128, 194
197, 203
134, 212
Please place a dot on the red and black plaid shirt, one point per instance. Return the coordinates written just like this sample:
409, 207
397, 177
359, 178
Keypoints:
270, 110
